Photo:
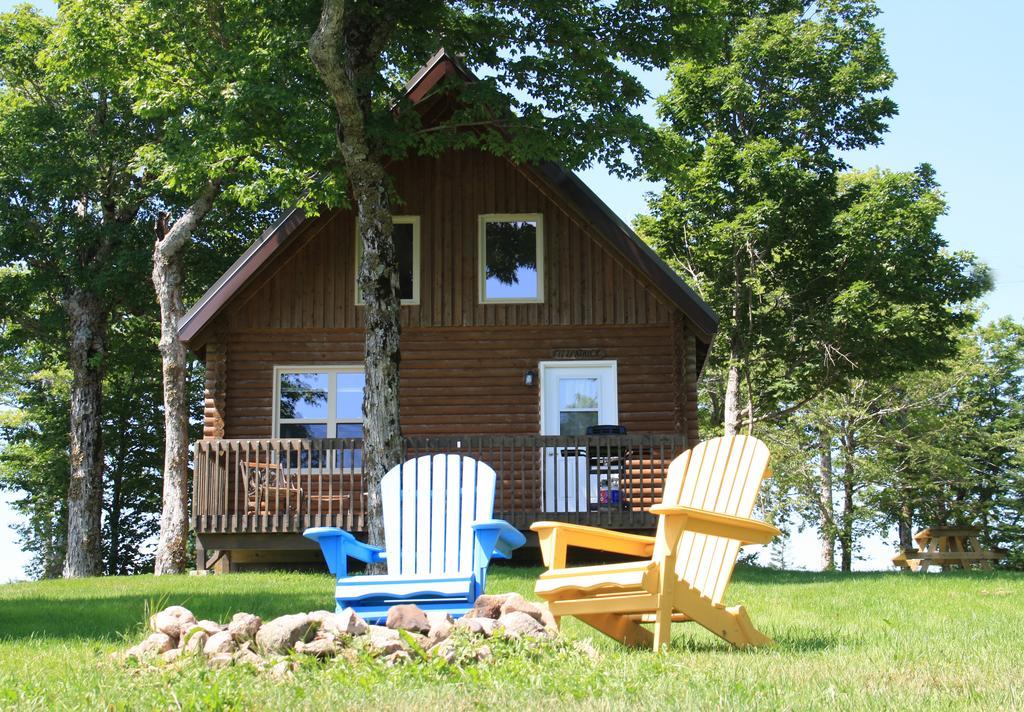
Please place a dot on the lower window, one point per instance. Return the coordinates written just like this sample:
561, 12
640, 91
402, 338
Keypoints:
316, 402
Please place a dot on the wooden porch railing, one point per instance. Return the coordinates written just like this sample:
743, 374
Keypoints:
281, 485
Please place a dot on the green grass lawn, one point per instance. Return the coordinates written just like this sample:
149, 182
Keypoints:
952, 641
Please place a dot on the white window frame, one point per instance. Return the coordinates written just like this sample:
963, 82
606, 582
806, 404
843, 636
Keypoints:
413, 220
609, 390
331, 420
481, 271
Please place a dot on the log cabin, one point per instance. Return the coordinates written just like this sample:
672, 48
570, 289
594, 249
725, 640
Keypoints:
539, 334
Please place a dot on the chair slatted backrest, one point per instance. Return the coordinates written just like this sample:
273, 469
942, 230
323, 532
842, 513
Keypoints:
429, 504
720, 475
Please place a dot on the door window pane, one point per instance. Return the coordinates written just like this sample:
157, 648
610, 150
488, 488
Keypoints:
303, 396
576, 422
510, 249
349, 396
577, 393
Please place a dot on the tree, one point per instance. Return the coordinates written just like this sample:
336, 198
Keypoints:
228, 93
956, 457
71, 225
555, 88
756, 215
34, 399
934, 447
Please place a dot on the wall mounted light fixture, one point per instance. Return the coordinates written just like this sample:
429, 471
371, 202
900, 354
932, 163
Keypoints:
529, 378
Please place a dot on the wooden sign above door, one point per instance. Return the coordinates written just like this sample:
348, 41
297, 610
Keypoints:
578, 354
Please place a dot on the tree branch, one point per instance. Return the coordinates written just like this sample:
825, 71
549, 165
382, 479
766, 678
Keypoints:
172, 241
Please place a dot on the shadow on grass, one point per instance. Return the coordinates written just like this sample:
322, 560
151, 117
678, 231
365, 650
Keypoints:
785, 644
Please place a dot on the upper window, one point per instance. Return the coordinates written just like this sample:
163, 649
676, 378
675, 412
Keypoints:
320, 402
512, 258
406, 231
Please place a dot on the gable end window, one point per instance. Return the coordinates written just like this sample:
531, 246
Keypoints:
511, 258
406, 231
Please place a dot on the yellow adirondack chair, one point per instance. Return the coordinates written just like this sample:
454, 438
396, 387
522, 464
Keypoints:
703, 519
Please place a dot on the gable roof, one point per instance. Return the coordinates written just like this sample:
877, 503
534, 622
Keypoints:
558, 179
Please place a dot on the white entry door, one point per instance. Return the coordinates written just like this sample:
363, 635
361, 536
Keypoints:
574, 395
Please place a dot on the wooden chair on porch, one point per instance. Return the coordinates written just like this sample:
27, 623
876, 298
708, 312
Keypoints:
269, 489
703, 519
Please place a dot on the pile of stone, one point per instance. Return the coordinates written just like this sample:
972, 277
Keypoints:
410, 632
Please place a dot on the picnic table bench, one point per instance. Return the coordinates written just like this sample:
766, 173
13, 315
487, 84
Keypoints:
946, 547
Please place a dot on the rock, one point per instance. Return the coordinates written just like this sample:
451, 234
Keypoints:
220, 660
320, 647
244, 626
281, 634
155, 644
517, 604
171, 656
320, 616
219, 643
282, 670
396, 658
347, 622
585, 647
449, 652
548, 619
384, 641
210, 627
445, 650
194, 641
409, 617
246, 656
489, 606
479, 626
518, 624
172, 621
441, 626
484, 654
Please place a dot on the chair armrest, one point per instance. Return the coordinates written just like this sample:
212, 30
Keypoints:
496, 537
555, 537
701, 521
338, 544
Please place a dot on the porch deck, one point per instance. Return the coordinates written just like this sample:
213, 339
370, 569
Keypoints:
285, 486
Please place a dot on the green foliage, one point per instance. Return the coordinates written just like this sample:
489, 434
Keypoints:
936, 447
785, 248
34, 394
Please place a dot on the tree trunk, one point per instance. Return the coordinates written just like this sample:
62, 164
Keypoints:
732, 391
341, 58
117, 481
168, 276
826, 509
173, 544
846, 533
86, 317
737, 353
114, 555
904, 526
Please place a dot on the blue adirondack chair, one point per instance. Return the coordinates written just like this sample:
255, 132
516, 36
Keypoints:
439, 538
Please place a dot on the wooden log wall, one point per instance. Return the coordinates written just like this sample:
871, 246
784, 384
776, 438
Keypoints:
215, 390
463, 362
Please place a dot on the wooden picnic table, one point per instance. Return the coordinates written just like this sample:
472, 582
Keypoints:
947, 547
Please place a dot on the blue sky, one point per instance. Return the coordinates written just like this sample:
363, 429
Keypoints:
961, 108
